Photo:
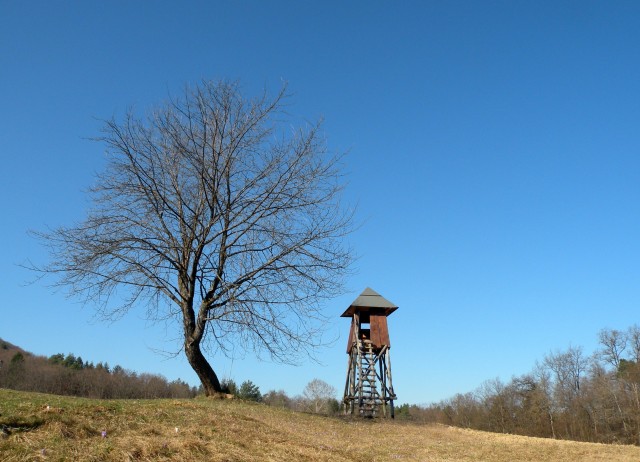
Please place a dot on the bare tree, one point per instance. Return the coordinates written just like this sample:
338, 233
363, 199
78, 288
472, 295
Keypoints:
542, 376
277, 398
318, 395
212, 211
494, 395
613, 343
633, 337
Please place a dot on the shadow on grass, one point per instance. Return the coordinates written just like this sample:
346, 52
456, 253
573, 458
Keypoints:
14, 425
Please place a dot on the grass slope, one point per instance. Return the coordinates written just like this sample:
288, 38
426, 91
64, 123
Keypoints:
46, 427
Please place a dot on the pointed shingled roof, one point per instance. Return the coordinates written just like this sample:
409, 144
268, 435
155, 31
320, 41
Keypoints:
370, 300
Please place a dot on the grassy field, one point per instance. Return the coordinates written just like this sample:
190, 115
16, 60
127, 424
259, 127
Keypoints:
45, 427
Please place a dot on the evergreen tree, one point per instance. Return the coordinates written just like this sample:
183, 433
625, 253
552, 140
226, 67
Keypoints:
249, 391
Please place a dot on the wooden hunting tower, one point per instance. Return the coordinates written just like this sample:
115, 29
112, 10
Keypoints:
369, 385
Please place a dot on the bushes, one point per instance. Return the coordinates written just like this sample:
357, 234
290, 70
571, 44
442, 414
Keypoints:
229, 386
318, 396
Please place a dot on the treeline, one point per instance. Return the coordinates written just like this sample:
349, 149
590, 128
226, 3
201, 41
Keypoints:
568, 395
70, 375
318, 397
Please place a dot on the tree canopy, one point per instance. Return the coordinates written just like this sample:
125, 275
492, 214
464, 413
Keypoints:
213, 210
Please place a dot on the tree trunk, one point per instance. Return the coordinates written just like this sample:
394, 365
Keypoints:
201, 366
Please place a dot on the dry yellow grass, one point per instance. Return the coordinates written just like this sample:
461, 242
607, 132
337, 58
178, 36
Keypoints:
213, 430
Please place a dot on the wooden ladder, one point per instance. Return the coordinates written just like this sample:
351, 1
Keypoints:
369, 398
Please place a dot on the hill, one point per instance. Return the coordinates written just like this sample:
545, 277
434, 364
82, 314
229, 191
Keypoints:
69, 375
47, 427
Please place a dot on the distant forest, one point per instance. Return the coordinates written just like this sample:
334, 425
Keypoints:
567, 395
69, 375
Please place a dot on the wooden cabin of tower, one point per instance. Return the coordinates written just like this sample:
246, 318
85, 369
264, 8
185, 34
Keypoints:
369, 388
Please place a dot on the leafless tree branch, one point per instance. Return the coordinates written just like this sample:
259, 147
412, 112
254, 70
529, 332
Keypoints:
212, 211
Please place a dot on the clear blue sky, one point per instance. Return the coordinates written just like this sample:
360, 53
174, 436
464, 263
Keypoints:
493, 152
